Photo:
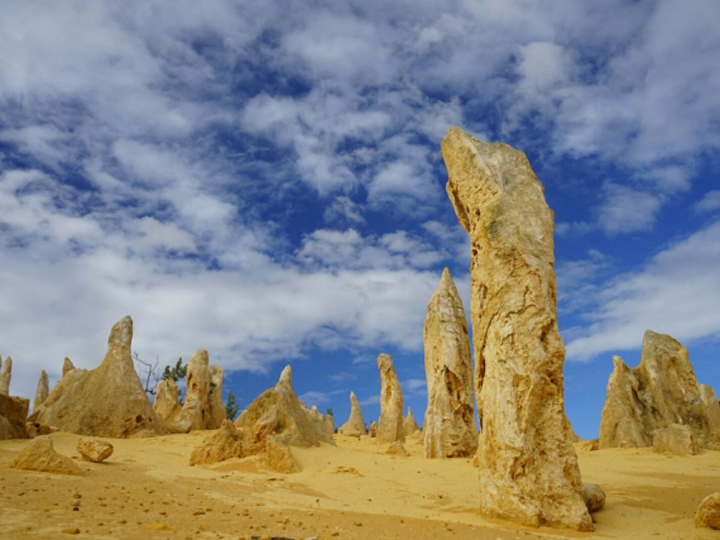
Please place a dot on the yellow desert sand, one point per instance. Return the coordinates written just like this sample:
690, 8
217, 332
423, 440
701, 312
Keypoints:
146, 489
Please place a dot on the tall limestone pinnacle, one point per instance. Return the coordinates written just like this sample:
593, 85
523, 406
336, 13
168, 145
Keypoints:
355, 426
528, 467
391, 426
449, 426
6, 376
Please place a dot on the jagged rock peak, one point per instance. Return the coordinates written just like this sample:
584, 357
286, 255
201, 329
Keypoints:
285, 380
661, 391
67, 366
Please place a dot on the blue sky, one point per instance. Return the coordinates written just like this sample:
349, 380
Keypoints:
264, 180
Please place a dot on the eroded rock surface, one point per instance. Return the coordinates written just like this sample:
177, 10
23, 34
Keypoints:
676, 439
449, 426
108, 401
279, 457
279, 412
95, 450
355, 426
225, 443
661, 391
372, 430
6, 377
39, 455
13, 414
168, 408
43, 389
594, 497
203, 407
708, 513
527, 465
391, 423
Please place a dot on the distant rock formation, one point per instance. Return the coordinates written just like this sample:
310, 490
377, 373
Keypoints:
225, 443
373, 429
279, 412
390, 426
528, 467
708, 512
410, 425
661, 391
203, 407
5, 377
355, 426
108, 401
95, 450
67, 366
43, 389
39, 455
13, 412
449, 426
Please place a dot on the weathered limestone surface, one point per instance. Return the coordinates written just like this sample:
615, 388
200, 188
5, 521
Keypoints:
279, 457
43, 389
449, 426
203, 407
410, 425
216, 407
168, 408
278, 411
708, 513
196, 408
6, 376
39, 455
676, 439
108, 401
355, 426
373, 429
594, 497
661, 391
67, 366
528, 466
390, 425
95, 450
225, 443
13, 413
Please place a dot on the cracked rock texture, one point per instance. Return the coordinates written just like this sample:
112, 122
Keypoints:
528, 468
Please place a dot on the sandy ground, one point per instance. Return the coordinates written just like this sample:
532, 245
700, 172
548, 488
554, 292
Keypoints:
352, 491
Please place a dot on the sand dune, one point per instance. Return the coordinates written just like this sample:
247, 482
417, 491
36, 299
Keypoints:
353, 491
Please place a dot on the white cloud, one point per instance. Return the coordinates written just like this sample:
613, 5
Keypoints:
626, 210
675, 293
710, 202
343, 207
542, 66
